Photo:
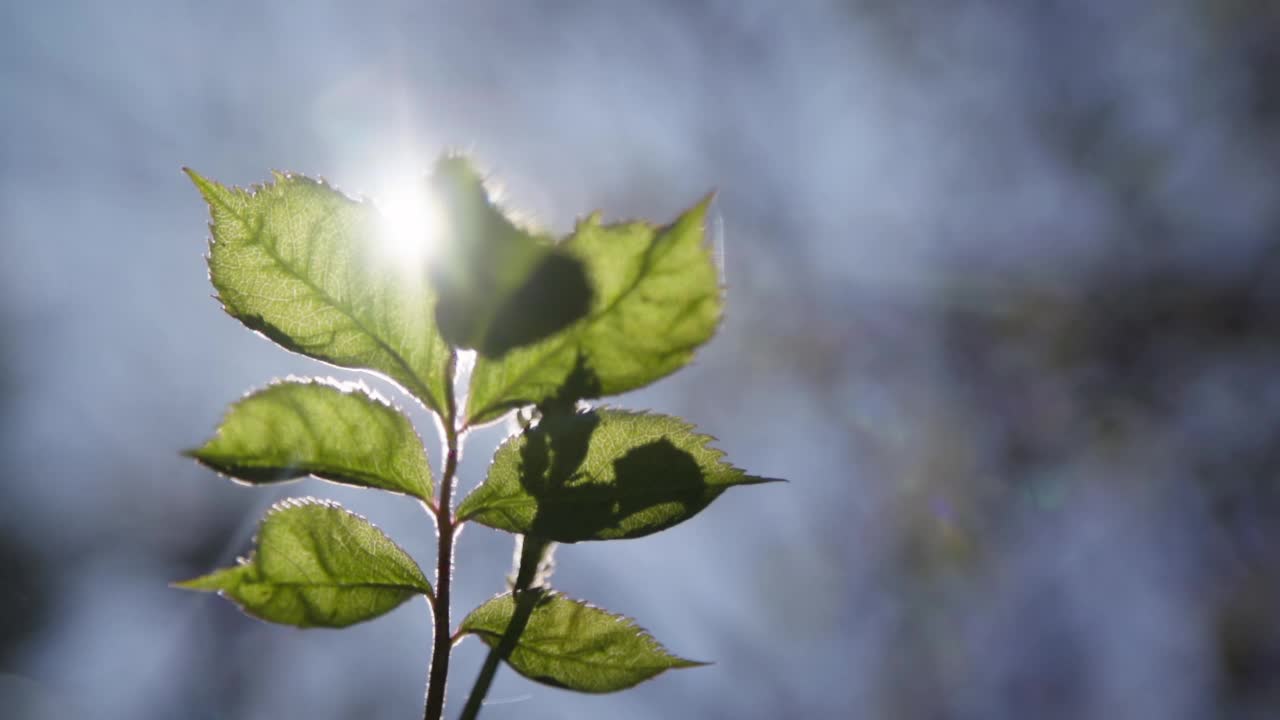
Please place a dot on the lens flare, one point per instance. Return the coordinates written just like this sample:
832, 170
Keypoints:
411, 224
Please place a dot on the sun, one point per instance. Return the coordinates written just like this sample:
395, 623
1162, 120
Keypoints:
411, 223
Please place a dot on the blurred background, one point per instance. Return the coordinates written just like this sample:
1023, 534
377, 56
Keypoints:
1003, 305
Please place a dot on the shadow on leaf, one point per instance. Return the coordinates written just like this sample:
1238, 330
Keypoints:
555, 296
650, 487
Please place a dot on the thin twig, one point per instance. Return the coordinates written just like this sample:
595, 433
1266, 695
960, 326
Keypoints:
445, 531
526, 598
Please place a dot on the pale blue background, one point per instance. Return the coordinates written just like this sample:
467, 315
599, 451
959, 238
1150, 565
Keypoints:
1002, 505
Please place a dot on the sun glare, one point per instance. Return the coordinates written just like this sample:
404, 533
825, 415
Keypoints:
411, 223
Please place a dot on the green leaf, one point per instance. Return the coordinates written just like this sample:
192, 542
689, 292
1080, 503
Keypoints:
300, 263
569, 644
317, 565
655, 299
602, 475
340, 432
500, 286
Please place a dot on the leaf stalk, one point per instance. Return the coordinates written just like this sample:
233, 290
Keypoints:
531, 553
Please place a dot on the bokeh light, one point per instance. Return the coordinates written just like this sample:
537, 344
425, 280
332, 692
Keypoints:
411, 223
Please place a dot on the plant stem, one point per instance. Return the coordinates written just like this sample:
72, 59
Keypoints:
445, 530
531, 554
525, 602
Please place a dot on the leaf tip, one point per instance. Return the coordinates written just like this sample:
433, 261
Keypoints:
212, 582
200, 181
698, 212
211, 190
203, 457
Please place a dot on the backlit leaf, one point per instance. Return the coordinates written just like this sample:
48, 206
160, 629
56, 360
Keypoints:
317, 565
336, 431
602, 475
569, 644
500, 286
300, 263
655, 298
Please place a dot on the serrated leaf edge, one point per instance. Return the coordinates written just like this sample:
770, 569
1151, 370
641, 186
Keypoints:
705, 443
677, 662
344, 386
209, 190
496, 411
299, 502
